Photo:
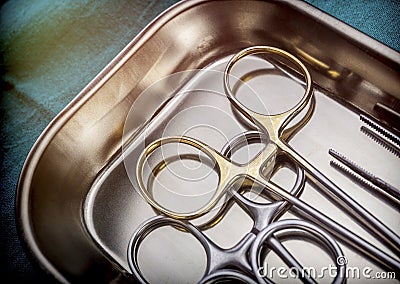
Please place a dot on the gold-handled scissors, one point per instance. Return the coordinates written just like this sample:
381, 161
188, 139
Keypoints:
273, 125
230, 173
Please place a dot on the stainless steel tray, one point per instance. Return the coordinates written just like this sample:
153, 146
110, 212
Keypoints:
77, 206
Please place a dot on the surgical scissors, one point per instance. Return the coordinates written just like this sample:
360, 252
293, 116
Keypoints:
245, 255
267, 233
298, 207
273, 126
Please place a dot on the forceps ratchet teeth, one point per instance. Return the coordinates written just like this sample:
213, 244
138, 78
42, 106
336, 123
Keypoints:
390, 189
385, 132
387, 144
367, 184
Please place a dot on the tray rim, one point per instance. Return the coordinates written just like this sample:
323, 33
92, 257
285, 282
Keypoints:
24, 226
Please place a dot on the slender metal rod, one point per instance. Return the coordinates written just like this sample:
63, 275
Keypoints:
344, 201
383, 195
352, 240
289, 259
367, 175
387, 144
381, 129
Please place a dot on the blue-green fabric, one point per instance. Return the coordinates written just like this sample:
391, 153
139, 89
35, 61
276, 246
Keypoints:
29, 102
379, 19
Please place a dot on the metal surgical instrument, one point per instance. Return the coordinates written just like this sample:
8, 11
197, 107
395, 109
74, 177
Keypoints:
245, 254
274, 126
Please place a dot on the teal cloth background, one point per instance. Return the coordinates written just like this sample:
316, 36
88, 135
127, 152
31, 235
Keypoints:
28, 103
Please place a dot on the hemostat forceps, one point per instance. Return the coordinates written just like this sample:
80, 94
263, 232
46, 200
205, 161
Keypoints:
274, 126
218, 259
245, 255
300, 208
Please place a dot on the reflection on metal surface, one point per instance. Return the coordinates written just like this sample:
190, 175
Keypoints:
318, 64
391, 115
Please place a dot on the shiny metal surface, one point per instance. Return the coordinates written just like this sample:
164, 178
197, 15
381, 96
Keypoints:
76, 205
